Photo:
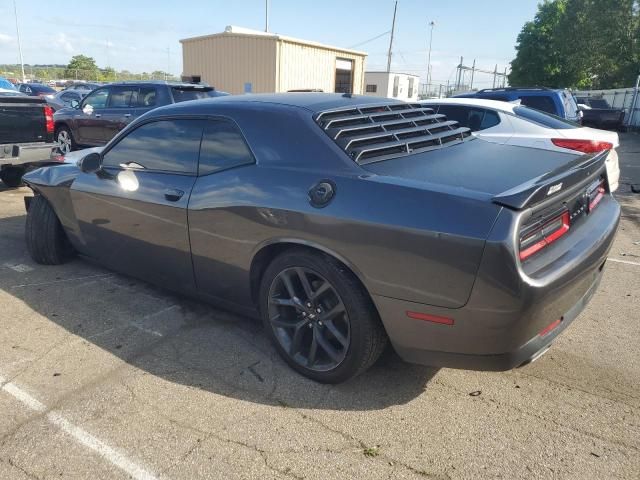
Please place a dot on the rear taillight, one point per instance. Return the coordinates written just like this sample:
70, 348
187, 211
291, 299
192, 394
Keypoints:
48, 118
536, 237
584, 146
595, 194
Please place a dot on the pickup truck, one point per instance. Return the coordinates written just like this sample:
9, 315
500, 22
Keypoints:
26, 136
597, 113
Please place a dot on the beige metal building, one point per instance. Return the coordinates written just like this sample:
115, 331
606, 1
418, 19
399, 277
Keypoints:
240, 60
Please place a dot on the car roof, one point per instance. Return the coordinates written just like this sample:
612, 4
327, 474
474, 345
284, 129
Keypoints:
473, 102
312, 101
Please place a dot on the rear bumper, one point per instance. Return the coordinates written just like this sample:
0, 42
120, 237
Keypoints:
27, 153
500, 326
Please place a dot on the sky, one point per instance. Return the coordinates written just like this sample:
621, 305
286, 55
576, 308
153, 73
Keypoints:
143, 35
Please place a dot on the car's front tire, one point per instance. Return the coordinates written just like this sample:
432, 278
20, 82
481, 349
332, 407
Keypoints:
65, 140
47, 242
12, 176
319, 317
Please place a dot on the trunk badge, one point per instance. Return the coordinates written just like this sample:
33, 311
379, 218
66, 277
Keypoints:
554, 188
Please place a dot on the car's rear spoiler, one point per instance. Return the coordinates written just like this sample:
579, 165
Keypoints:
555, 182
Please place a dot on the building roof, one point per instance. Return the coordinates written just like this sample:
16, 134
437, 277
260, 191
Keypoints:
232, 30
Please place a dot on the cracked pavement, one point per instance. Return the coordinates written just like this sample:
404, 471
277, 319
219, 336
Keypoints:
104, 376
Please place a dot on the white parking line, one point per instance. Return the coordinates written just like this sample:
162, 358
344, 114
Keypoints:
102, 275
81, 436
626, 262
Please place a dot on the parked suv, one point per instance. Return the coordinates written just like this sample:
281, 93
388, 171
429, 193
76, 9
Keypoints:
106, 110
560, 102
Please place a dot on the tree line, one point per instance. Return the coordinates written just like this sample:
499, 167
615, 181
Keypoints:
81, 67
583, 44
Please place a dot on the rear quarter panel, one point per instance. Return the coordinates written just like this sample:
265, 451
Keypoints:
402, 240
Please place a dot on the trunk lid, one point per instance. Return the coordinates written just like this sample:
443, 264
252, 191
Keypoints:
507, 175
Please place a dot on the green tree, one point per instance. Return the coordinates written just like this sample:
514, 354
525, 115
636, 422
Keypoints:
537, 60
580, 44
82, 67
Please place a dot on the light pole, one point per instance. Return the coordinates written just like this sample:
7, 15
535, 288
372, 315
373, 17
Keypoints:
15, 12
431, 24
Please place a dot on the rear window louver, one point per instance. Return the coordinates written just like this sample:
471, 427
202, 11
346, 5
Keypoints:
378, 132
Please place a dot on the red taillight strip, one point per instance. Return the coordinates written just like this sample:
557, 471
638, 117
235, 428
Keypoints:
430, 318
549, 239
584, 146
550, 327
48, 118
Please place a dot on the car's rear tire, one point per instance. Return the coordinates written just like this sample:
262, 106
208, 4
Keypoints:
12, 176
47, 242
65, 139
328, 330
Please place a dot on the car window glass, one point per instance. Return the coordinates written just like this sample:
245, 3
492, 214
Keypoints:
544, 104
222, 147
97, 99
147, 97
121, 97
455, 112
67, 96
544, 119
163, 145
473, 118
489, 119
181, 94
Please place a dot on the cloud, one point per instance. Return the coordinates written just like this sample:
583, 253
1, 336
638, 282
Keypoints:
6, 39
63, 42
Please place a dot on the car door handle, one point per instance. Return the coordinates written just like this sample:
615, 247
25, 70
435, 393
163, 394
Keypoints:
98, 115
173, 194
127, 115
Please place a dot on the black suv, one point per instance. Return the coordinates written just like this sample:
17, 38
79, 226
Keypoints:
108, 109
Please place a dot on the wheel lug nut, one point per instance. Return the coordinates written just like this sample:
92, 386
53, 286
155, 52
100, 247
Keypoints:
319, 310
319, 323
304, 314
309, 305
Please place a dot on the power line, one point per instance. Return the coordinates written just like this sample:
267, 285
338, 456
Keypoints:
371, 40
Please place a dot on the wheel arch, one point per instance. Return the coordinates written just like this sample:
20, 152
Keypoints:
269, 250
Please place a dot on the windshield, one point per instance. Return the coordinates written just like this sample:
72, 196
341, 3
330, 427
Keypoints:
6, 84
544, 119
182, 94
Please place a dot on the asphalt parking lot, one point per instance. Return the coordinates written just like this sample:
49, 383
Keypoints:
103, 376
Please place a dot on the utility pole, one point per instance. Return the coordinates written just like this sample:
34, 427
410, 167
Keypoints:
15, 12
473, 73
393, 27
431, 24
266, 16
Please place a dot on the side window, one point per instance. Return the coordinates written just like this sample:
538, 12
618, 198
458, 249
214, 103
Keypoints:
97, 98
544, 104
222, 147
163, 145
121, 97
454, 112
147, 97
490, 119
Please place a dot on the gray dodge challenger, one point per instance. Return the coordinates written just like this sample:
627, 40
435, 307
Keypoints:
344, 222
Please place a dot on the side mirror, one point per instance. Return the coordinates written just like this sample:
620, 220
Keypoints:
74, 104
91, 163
